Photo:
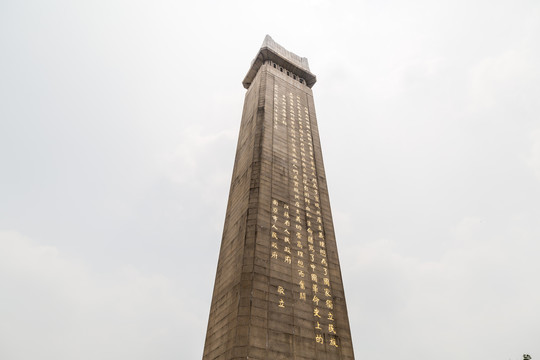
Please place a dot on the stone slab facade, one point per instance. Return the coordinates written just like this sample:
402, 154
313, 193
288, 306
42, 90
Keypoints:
278, 292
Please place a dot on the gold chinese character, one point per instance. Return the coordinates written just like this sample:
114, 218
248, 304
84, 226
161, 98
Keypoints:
298, 235
281, 303
302, 296
299, 244
316, 312
287, 223
326, 281
310, 239
321, 235
327, 292
280, 290
274, 210
274, 235
274, 226
314, 277
323, 262
321, 244
274, 217
325, 271
285, 206
274, 202
274, 254
286, 239
302, 284
300, 263
322, 252
286, 214
298, 227
331, 328
315, 288
300, 253
318, 327
287, 249
301, 273
319, 339
274, 245
329, 304
312, 266
319, 220
330, 316
333, 342
312, 257
311, 248
287, 259
316, 299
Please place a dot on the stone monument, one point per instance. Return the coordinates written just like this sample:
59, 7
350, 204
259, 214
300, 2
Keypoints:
278, 292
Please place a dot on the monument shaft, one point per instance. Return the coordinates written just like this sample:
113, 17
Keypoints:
278, 292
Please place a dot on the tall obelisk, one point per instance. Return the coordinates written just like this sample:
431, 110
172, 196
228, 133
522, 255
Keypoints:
278, 292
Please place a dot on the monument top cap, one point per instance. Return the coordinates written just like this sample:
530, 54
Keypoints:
270, 50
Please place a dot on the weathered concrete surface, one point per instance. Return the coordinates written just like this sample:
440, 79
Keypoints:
278, 292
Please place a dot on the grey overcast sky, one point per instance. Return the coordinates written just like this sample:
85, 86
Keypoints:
118, 128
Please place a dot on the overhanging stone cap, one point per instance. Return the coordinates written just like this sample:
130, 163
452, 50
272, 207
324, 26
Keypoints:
270, 50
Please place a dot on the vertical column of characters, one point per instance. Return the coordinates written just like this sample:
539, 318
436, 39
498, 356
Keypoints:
297, 215
305, 278
280, 254
280, 244
322, 296
275, 115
